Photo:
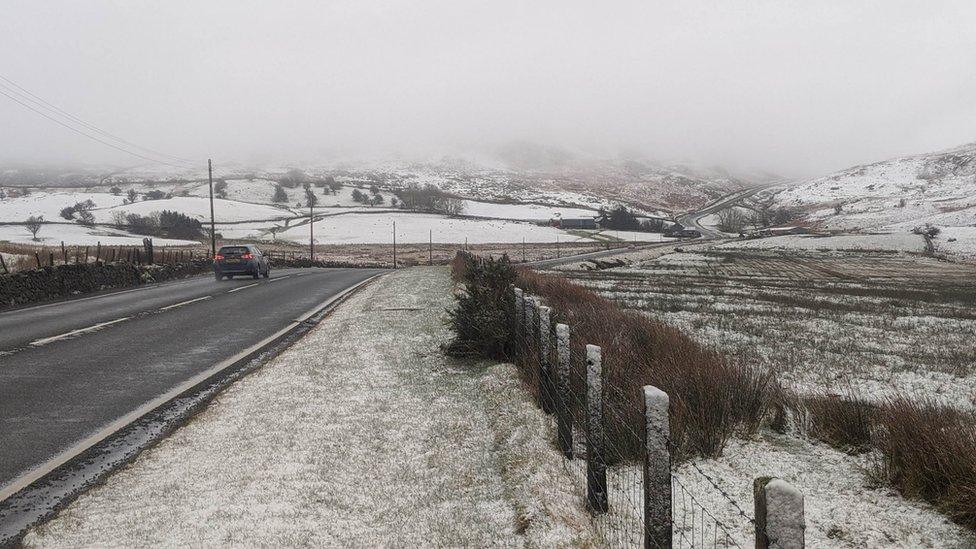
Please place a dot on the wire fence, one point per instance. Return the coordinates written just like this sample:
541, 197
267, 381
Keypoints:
609, 477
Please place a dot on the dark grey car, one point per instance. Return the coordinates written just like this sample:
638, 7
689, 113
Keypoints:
245, 259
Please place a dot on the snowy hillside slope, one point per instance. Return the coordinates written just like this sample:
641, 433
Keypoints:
899, 194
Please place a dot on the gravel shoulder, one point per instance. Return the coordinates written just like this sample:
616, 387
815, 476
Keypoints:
361, 434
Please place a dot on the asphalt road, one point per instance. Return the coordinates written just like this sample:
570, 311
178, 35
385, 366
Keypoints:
71, 369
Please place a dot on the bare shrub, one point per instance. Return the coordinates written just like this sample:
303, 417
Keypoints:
731, 221
842, 422
929, 452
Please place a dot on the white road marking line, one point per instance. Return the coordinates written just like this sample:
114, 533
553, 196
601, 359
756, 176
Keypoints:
276, 279
182, 303
242, 288
53, 463
72, 333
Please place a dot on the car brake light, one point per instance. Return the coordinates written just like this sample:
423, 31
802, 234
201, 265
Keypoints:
247, 256
218, 257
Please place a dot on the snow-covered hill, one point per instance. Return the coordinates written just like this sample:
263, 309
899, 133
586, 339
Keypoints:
899, 194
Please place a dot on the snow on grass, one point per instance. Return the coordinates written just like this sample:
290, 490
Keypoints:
50, 203
523, 211
550, 507
199, 208
957, 243
73, 234
415, 228
890, 242
843, 506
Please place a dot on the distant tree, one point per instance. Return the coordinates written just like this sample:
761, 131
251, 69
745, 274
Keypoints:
178, 225
838, 208
119, 219
928, 231
280, 196
154, 195
68, 212
621, 219
358, 195
132, 195
85, 217
373, 189
653, 225
394, 202
115, 190
310, 199
375, 199
430, 199
33, 225
220, 188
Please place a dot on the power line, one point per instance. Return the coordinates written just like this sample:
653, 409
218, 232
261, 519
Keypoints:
24, 92
21, 100
80, 132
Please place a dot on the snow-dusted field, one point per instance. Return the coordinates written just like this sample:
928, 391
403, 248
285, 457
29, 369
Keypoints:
889, 242
79, 235
833, 322
523, 211
416, 228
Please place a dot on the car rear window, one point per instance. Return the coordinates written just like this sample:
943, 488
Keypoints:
233, 250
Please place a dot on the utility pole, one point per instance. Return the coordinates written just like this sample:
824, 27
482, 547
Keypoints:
213, 231
430, 248
394, 245
311, 232
523, 249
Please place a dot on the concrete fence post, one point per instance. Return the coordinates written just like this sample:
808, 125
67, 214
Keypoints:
596, 467
779, 514
545, 373
657, 469
528, 321
519, 305
564, 422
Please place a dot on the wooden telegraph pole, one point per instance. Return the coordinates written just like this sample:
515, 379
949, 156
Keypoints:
213, 231
394, 245
430, 247
311, 235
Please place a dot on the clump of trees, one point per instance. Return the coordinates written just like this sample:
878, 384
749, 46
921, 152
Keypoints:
280, 196
166, 224
293, 179
220, 188
429, 199
731, 220
768, 215
130, 197
82, 210
155, 195
116, 190
310, 199
621, 218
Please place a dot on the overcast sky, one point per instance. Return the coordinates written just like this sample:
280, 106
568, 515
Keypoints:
802, 88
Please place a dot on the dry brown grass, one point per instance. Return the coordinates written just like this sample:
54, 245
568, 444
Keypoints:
929, 452
712, 397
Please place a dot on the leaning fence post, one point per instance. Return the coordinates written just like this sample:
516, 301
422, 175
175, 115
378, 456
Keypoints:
596, 467
545, 374
564, 423
657, 469
779, 514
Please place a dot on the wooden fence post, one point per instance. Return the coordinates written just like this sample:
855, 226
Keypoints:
86, 255
564, 422
4, 265
657, 469
37, 256
596, 467
545, 375
64, 255
779, 514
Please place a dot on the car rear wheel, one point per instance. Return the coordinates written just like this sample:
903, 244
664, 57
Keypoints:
218, 276
255, 275
267, 273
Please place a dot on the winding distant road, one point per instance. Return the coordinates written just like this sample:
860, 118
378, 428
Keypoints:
71, 372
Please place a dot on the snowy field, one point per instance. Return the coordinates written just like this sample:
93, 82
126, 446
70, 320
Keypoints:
824, 322
79, 235
888, 242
